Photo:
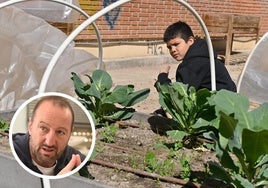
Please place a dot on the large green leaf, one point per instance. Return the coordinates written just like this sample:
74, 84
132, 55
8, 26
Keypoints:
130, 88
178, 101
106, 108
166, 103
97, 97
78, 85
118, 95
122, 114
254, 144
234, 105
229, 102
179, 95
176, 134
202, 96
136, 97
200, 123
93, 91
227, 125
260, 117
102, 80
219, 173
181, 88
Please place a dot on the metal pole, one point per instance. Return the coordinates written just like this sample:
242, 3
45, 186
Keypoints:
89, 21
70, 39
209, 43
44, 181
104, 11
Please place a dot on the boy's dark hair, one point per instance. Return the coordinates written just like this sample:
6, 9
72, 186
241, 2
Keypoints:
178, 29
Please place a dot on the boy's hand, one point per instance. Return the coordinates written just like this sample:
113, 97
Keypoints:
74, 162
165, 70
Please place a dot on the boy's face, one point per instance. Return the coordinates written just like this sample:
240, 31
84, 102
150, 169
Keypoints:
178, 47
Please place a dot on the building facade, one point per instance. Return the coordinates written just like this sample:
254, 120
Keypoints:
146, 20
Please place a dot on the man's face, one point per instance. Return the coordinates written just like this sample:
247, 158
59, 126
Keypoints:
50, 131
178, 47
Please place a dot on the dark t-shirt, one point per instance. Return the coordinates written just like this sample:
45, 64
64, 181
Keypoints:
21, 146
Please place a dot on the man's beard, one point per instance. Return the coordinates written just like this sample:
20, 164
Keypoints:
43, 159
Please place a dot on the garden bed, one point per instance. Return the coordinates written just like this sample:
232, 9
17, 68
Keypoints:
129, 154
122, 163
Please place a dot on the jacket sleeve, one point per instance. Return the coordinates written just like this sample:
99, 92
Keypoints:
163, 78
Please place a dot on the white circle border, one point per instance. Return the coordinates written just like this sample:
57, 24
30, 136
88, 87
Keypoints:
93, 133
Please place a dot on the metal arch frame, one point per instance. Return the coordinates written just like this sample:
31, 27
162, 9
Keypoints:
208, 40
106, 10
89, 21
44, 181
11, 2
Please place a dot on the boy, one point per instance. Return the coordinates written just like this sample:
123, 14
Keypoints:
194, 69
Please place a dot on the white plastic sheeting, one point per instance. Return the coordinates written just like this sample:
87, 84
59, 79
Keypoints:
50, 11
27, 44
253, 81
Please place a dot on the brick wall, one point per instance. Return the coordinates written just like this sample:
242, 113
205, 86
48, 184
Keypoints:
147, 19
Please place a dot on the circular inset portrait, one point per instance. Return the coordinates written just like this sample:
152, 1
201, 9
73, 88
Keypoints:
52, 135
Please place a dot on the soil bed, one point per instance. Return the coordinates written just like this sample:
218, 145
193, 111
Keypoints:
122, 163
133, 143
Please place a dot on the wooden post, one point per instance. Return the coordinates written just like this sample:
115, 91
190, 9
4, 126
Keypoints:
229, 40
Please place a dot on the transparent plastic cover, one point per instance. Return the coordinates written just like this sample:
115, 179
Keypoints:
254, 79
50, 11
27, 44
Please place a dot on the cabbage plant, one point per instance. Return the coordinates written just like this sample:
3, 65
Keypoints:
242, 143
190, 111
104, 100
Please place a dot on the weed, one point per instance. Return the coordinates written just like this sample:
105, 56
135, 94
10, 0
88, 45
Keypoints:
185, 165
108, 134
134, 161
4, 126
153, 165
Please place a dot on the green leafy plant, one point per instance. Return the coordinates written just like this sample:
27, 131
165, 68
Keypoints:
185, 164
153, 165
107, 103
134, 161
4, 125
242, 143
190, 111
108, 134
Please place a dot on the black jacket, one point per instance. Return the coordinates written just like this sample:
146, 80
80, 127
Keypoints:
195, 70
21, 146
